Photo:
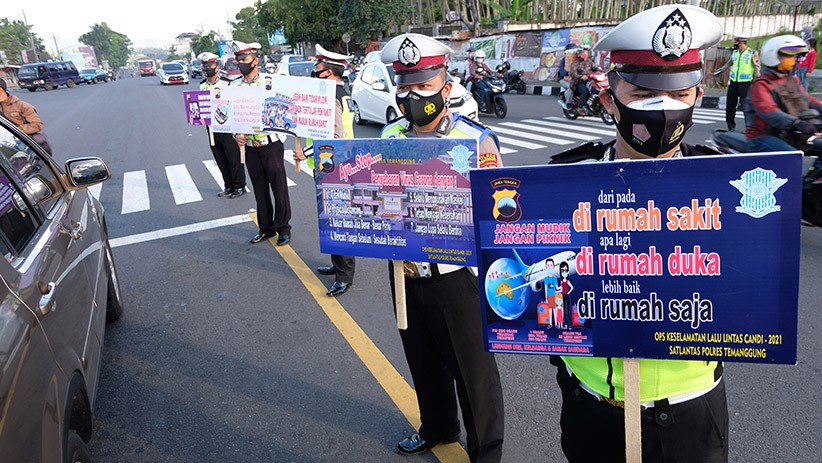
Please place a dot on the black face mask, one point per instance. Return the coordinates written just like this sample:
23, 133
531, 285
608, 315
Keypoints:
316, 74
653, 132
421, 110
246, 68
210, 72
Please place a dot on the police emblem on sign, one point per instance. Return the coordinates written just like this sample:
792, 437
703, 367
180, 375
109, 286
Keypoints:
460, 155
673, 37
506, 200
326, 158
758, 187
409, 53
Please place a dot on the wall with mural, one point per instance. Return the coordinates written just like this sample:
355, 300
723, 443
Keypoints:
538, 54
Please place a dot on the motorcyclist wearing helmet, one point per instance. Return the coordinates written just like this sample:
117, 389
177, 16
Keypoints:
777, 99
564, 74
580, 73
477, 71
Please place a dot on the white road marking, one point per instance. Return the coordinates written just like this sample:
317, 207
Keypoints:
569, 126
563, 133
521, 144
182, 185
211, 165
556, 141
135, 192
504, 150
177, 231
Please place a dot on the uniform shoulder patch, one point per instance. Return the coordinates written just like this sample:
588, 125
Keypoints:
488, 160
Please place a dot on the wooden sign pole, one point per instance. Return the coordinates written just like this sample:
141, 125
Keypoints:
399, 294
633, 424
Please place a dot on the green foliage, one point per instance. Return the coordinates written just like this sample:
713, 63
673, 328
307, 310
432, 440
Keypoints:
520, 10
303, 20
203, 43
108, 44
14, 38
248, 28
172, 54
367, 20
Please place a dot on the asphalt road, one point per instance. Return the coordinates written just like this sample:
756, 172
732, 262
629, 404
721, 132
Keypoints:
231, 352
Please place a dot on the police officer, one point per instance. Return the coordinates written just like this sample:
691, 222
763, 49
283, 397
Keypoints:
654, 77
264, 158
744, 64
443, 343
225, 150
331, 66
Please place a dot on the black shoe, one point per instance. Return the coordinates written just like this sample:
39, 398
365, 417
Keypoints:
284, 239
731, 127
338, 288
261, 237
224, 193
327, 270
415, 444
236, 193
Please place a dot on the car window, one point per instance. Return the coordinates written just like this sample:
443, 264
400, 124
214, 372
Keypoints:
368, 75
172, 67
301, 69
24, 164
17, 227
379, 75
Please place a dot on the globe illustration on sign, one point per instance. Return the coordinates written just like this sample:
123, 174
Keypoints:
505, 289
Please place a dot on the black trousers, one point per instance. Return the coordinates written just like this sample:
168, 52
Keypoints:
695, 431
343, 268
227, 155
266, 167
444, 349
737, 92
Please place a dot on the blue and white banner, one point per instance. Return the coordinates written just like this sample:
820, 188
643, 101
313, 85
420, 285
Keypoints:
692, 258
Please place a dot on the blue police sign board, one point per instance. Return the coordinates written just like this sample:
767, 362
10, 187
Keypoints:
691, 258
402, 199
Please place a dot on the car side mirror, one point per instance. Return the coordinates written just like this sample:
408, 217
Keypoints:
379, 86
87, 171
36, 189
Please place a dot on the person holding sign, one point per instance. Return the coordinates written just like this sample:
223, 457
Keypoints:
265, 159
331, 66
655, 72
223, 147
443, 342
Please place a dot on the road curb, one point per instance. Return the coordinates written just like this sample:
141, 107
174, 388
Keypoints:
712, 102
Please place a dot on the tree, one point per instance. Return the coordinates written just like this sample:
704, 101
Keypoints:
309, 21
248, 28
367, 20
205, 42
108, 44
14, 39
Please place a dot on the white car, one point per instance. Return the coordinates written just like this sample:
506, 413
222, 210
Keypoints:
172, 73
374, 95
295, 68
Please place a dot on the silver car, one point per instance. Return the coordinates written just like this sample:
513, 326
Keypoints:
58, 288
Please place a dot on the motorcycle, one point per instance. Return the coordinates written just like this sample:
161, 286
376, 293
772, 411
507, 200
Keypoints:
495, 97
736, 143
514, 80
597, 83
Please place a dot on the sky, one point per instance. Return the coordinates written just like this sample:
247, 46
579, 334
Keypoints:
148, 23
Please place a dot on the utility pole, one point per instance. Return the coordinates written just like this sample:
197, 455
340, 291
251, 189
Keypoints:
56, 48
31, 37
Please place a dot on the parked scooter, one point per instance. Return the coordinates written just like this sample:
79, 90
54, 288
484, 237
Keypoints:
735, 143
597, 83
495, 97
514, 80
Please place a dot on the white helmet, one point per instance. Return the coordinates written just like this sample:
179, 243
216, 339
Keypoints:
479, 54
784, 44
